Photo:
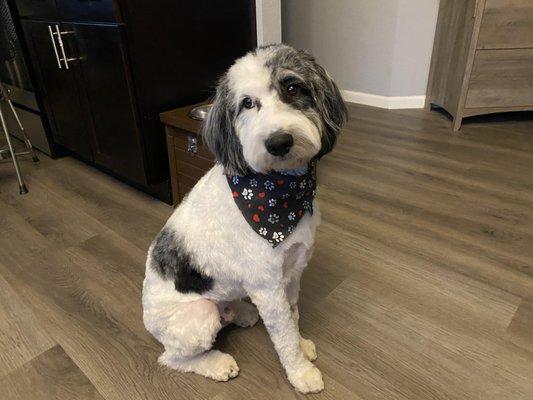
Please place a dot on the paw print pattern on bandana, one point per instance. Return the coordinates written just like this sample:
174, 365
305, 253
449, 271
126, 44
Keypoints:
247, 194
278, 237
269, 185
272, 204
273, 218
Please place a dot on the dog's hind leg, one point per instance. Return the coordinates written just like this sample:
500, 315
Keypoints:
188, 331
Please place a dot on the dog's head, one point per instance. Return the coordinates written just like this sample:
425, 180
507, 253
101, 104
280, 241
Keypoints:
274, 109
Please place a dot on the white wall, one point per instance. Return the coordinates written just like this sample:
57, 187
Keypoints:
377, 50
415, 30
268, 21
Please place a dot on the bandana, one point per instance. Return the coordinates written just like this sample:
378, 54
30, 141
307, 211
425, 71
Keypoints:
274, 203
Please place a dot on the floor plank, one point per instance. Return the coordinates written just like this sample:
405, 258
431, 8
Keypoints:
21, 336
520, 329
51, 375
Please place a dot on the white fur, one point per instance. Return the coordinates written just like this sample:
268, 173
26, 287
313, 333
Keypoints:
241, 263
251, 78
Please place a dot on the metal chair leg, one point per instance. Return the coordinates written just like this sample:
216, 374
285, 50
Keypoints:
22, 186
26, 140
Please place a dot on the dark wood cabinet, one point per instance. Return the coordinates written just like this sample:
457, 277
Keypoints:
121, 63
87, 10
37, 8
102, 65
59, 87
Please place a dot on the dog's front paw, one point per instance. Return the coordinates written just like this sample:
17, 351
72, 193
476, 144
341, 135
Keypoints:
307, 380
308, 348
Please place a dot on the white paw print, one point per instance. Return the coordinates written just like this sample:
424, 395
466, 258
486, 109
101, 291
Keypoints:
278, 236
300, 195
253, 183
290, 229
269, 185
307, 205
263, 231
272, 202
302, 184
273, 218
235, 180
292, 185
291, 216
247, 194
285, 195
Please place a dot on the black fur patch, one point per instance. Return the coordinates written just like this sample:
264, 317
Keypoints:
320, 97
171, 261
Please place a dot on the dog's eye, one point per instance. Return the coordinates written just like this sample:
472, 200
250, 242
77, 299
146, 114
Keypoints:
247, 102
293, 90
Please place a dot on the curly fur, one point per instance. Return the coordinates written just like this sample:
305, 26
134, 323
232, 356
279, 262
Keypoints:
218, 245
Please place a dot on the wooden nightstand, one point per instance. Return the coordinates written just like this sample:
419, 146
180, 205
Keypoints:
188, 157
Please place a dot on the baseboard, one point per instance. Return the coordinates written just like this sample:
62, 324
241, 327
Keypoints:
391, 103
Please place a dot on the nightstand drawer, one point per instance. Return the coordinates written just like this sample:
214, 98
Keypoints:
501, 78
506, 24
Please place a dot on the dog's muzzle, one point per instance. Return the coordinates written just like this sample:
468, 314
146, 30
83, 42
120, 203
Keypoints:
279, 143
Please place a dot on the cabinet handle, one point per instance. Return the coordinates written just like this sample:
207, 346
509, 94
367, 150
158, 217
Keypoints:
54, 45
192, 144
62, 46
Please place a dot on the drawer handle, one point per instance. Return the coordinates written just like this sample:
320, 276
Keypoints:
54, 46
192, 144
65, 59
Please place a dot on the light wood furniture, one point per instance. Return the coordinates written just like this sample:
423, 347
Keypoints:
482, 58
420, 286
188, 157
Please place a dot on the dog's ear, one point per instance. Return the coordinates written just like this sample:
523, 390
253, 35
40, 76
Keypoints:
332, 109
218, 132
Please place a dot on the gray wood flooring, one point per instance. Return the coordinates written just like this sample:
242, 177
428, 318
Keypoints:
421, 285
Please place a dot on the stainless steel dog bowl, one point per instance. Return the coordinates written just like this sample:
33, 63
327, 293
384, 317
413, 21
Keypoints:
199, 113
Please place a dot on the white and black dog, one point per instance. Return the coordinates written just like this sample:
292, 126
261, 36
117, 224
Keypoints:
247, 228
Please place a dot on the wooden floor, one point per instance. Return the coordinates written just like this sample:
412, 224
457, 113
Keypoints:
421, 286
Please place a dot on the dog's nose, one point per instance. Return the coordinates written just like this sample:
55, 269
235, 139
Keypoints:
279, 143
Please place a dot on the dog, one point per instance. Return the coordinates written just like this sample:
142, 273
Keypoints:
275, 113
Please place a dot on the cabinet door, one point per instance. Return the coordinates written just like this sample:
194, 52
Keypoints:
103, 72
59, 89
